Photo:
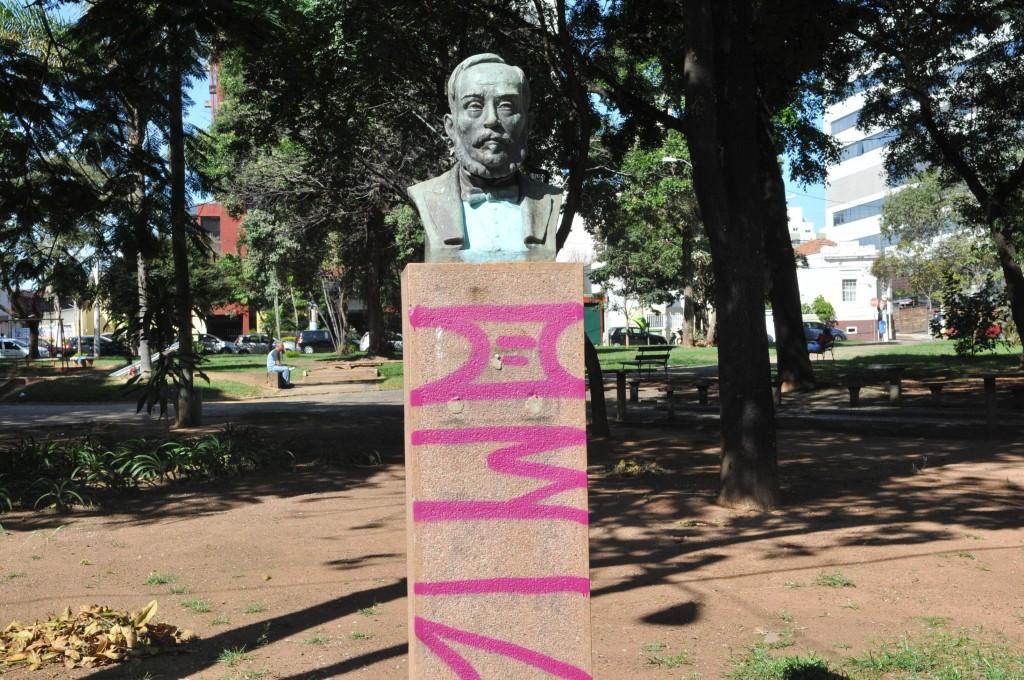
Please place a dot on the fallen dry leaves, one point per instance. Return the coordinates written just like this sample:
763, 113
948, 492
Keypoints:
95, 636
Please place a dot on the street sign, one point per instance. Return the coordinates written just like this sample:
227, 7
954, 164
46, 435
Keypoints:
874, 302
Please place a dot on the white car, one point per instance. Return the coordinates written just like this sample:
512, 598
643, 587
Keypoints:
11, 349
44, 353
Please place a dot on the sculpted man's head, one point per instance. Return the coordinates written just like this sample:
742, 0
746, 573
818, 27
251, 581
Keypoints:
488, 122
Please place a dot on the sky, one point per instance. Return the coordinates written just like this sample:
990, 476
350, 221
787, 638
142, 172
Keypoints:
811, 198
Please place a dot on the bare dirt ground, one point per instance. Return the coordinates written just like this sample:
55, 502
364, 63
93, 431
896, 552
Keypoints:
305, 569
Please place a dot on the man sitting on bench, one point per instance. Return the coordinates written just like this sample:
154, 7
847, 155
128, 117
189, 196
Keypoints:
275, 364
823, 343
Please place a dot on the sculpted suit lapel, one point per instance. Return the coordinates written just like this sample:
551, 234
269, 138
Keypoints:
439, 202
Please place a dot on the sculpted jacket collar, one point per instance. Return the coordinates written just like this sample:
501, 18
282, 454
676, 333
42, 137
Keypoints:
440, 204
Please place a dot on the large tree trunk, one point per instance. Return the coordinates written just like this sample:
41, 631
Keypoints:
794, 362
598, 410
721, 115
33, 338
189, 407
1009, 261
374, 275
686, 339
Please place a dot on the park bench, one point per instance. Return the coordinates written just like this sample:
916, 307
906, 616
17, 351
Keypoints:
876, 374
648, 356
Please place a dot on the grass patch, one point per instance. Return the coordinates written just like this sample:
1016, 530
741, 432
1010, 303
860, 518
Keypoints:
255, 608
360, 635
10, 576
178, 590
933, 621
833, 580
793, 584
232, 656
785, 616
220, 621
668, 661
760, 664
197, 606
612, 356
943, 656
373, 610
95, 386
156, 579
392, 374
317, 639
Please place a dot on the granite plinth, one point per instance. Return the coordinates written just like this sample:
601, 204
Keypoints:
496, 491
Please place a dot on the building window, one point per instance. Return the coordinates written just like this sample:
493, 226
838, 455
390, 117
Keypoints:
858, 212
861, 147
845, 123
849, 290
211, 225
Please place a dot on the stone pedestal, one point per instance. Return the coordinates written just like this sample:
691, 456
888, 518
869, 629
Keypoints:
495, 452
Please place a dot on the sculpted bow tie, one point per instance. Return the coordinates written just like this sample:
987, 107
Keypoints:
506, 192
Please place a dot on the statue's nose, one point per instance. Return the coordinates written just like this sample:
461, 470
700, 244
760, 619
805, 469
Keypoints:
491, 116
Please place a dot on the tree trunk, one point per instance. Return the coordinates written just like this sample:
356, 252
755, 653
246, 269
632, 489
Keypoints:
721, 115
342, 315
141, 232
598, 410
688, 317
145, 355
374, 272
295, 310
33, 338
1009, 261
189, 407
96, 344
794, 363
277, 313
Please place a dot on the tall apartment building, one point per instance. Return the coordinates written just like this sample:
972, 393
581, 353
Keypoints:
856, 190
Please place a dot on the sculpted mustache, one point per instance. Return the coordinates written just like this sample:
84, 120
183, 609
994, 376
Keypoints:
480, 141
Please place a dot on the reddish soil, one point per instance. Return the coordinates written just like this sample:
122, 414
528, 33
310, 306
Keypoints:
307, 568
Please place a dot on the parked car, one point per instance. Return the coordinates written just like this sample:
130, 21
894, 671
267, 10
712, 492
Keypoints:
44, 349
288, 344
314, 341
10, 349
617, 336
818, 326
213, 345
254, 343
84, 345
394, 340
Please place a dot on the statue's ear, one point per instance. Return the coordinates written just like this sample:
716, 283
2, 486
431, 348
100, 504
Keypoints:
449, 126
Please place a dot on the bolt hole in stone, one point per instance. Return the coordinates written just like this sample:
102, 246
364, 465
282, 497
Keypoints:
456, 405
534, 405
496, 362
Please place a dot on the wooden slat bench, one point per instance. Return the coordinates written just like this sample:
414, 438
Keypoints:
648, 356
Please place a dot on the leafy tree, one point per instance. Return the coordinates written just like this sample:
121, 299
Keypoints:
652, 244
930, 221
946, 84
823, 309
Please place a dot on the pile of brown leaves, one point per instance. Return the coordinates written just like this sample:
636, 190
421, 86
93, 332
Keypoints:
95, 636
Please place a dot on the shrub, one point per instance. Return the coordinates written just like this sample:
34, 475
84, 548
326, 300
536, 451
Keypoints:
973, 319
62, 474
291, 353
823, 309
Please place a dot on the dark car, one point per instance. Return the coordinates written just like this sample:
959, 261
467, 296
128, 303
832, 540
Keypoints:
818, 327
617, 336
314, 341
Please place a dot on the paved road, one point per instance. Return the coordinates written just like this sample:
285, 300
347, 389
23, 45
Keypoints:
347, 403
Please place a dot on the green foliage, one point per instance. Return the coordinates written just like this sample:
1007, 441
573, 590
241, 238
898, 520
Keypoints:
650, 237
833, 580
65, 473
971, 316
760, 664
823, 309
942, 656
935, 236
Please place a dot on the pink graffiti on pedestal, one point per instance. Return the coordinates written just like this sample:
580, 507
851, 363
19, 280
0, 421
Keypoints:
512, 446
466, 320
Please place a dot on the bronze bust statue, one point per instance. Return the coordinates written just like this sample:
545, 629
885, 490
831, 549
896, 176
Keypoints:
484, 209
